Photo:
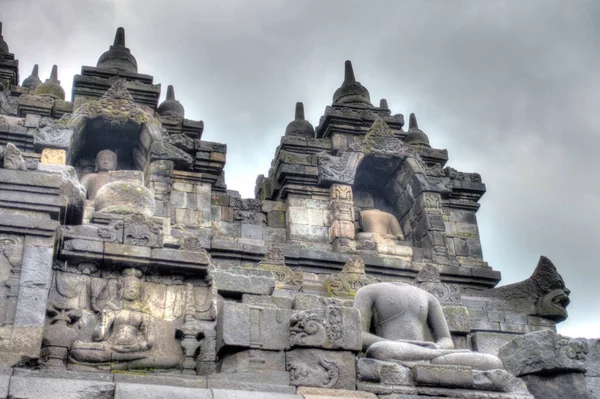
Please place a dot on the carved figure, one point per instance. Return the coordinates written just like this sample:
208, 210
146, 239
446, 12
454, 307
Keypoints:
543, 294
124, 336
381, 223
106, 161
381, 231
409, 326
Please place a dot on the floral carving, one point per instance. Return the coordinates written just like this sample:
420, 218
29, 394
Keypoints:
352, 278
429, 280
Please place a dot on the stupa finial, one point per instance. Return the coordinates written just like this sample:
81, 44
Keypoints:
120, 37
170, 93
300, 111
412, 122
349, 72
54, 73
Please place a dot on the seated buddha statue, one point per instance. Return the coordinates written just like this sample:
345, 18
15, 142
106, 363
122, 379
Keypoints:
403, 323
125, 338
381, 231
106, 161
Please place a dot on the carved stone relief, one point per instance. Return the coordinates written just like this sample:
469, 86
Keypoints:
429, 280
350, 279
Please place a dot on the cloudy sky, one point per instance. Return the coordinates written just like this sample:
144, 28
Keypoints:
510, 88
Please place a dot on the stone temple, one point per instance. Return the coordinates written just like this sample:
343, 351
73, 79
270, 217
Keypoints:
131, 270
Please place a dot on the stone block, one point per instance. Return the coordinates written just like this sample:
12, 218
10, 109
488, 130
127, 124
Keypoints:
544, 352
247, 326
322, 369
324, 393
592, 362
52, 388
333, 327
458, 319
372, 370
54, 156
31, 307
4, 385
169, 380
244, 386
308, 233
276, 219
253, 360
488, 342
316, 217
252, 231
558, 386
297, 215
238, 281
36, 269
443, 376
593, 384
236, 394
32, 120
143, 391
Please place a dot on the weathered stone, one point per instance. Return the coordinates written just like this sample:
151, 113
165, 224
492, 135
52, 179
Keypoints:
335, 327
544, 352
52, 388
135, 391
444, 376
558, 386
324, 393
319, 368
243, 281
253, 360
230, 394
245, 326
488, 342
392, 373
53, 156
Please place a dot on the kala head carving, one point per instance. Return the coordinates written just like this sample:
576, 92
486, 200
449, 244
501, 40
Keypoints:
543, 294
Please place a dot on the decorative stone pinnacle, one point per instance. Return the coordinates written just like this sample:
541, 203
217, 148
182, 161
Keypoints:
3, 44
412, 122
300, 111
170, 93
383, 104
54, 73
120, 37
35, 71
349, 72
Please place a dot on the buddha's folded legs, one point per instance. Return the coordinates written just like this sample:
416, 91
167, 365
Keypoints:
404, 351
478, 361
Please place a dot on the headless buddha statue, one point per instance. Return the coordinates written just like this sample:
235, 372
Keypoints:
382, 231
381, 223
124, 338
106, 161
410, 326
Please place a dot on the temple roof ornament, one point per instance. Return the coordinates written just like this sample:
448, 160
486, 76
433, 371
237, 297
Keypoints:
118, 56
351, 92
51, 87
415, 135
171, 107
300, 126
3, 44
33, 80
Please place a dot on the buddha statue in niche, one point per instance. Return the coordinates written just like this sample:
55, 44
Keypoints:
106, 161
126, 337
403, 323
381, 231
